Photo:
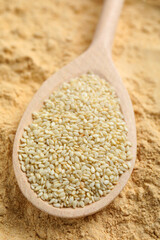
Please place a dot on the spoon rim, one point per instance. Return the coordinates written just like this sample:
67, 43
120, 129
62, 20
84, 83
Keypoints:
43, 93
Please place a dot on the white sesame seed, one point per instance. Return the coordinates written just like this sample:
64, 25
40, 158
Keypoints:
76, 147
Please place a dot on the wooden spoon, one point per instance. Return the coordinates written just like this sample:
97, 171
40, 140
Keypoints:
96, 59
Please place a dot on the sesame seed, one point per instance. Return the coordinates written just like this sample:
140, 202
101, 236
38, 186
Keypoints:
76, 147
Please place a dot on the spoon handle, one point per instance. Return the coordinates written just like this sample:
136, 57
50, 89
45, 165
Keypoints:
107, 23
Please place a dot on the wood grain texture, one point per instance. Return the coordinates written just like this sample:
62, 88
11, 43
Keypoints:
96, 59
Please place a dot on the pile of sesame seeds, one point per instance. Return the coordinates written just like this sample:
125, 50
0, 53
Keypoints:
76, 147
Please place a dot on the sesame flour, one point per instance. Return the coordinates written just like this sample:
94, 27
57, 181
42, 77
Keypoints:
36, 39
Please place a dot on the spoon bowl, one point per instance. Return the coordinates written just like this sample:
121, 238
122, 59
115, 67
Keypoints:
97, 59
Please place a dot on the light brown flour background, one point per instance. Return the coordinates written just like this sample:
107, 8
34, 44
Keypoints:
36, 39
